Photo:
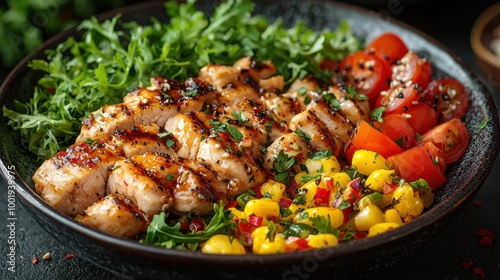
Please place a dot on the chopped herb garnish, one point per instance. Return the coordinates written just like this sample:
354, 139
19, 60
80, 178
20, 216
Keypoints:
332, 101
376, 113
326, 154
191, 93
302, 134
164, 134
170, 143
420, 184
170, 177
482, 125
240, 117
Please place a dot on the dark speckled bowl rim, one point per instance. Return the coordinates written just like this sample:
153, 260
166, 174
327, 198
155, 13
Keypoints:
436, 214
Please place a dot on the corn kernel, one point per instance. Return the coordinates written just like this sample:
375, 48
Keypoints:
323, 165
271, 247
369, 216
409, 202
222, 244
381, 228
310, 191
274, 189
392, 216
237, 213
367, 161
322, 240
297, 177
262, 245
336, 216
263, 207
378, 178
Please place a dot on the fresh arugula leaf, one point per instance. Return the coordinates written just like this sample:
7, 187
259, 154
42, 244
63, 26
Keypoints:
159, 233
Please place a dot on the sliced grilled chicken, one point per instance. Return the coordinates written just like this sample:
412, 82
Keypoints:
258, 69
308, 83
141, 139
231, 165
352, 107
257, 116
134, 182
189, 129
291, 144
283, 108
143, 106
195, 188
314, 128
116, 215
339, 127
73, 180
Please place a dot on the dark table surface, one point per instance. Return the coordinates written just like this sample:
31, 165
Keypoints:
443, 257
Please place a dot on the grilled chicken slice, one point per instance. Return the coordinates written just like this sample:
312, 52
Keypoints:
195, 188
232, 165
352, 107
189, 129
339, 127
74, 179
308, 83
143, 106
292, 145
116, 215
141, 139
129, 179
257, 116
283, 108
258, 69
314, 128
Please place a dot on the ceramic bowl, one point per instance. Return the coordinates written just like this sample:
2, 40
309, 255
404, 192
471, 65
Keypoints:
130, 260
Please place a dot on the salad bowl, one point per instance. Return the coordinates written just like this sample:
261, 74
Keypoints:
128, 259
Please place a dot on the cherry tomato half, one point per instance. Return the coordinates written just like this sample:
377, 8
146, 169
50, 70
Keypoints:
423, 161
397, 128
422, 117
369, 138
412, 68
398, 99
450, 97
367, 72
451, 137
389, 47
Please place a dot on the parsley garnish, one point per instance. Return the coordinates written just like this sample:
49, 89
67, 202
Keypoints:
240, 117
376, 113
302, 134
322, 154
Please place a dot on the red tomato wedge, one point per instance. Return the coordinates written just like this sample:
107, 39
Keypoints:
389, 47
397, 128
423, 161
412, 68
367, 72
369, 138
451, 137
422, 117
398, 99
450, 97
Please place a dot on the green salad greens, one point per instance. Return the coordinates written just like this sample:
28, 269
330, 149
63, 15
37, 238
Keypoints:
113, 57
